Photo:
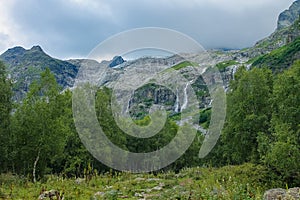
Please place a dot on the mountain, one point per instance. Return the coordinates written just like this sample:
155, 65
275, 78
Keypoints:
144, 97
281, 48
24, 66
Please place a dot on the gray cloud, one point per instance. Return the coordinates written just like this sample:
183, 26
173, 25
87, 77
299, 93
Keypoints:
3, 37
71, 28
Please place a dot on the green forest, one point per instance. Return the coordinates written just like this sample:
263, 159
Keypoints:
259, 147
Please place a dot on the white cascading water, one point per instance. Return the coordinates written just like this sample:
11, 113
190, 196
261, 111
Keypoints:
234, 69
185, 102
177, 101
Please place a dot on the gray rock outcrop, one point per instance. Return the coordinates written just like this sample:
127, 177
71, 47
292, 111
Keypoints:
288, 17
282, 194
117, 60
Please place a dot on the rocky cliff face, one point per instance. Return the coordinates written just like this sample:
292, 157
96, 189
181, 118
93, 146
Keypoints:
128, 76
288, 17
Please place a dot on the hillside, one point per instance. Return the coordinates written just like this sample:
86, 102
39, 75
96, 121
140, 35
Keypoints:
281, 58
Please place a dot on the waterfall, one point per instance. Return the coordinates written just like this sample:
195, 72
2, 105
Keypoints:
210, 102
177, 101
185, 102
248, 67
129, 103
234, 69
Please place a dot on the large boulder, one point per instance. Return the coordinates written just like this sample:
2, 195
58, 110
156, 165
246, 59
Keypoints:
282, 194
51, 194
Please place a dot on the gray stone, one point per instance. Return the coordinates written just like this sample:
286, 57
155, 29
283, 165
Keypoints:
282, 194
273, 194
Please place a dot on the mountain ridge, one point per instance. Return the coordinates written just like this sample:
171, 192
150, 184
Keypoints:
25, 65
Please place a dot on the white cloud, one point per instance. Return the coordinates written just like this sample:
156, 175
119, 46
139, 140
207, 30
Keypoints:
73, 27
10, 32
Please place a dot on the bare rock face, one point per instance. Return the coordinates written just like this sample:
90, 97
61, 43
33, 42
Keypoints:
288, 17
117, 60
282, 194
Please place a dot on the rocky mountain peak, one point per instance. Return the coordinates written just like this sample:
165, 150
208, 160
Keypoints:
289, 16
36, 48
117, 60
16, 51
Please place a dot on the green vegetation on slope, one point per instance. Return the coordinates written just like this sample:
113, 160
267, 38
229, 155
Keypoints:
281, 58
204, 119
222, 65
183, 65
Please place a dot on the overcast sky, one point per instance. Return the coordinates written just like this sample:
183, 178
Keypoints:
72, 28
